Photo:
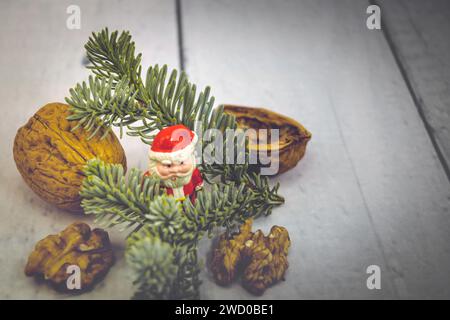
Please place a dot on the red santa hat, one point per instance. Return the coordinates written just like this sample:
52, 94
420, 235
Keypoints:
174, 143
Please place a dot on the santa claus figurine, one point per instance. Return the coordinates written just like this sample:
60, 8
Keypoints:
171, 158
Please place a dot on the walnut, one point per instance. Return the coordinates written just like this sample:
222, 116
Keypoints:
292, 140
50, 156
262, 259
268, 259
76, 245
227, 255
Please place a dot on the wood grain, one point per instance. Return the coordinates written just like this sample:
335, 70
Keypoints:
370, 189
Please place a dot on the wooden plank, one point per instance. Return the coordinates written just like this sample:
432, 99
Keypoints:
420, 37
41, 59
370, 189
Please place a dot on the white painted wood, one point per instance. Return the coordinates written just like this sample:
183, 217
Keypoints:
370, 189
40, 60
420, 33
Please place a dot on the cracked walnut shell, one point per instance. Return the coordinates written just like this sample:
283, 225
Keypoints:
50, 157
293, 137
77, 245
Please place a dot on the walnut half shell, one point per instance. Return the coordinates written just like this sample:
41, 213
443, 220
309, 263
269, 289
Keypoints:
77, 245
293, 136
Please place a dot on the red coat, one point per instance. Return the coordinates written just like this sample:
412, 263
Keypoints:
190, 188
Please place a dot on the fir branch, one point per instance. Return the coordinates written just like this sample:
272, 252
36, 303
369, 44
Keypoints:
176, 225
97, 104
153, 264
136, 201
223, 205
163, 246
116, 199
162, 270
113, 56
237, 169
160, 101
266, 197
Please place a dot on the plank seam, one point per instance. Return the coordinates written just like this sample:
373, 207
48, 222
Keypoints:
418, 101
181, 57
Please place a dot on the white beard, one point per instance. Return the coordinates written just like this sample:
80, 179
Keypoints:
178, 182
169, 183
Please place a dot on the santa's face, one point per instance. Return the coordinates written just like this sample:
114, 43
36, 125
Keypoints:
170, 170
173, 174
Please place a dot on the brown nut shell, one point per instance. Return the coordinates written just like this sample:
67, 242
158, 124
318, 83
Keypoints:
293, 136
50, 157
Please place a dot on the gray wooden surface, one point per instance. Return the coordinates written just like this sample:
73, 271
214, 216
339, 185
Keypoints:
371, 189
419, 33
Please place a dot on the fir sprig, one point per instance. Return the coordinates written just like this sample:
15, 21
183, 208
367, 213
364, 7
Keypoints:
153, 263
113, 56
98, 104
157, 102
162, 247
117, 199
162, 270
137, 201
